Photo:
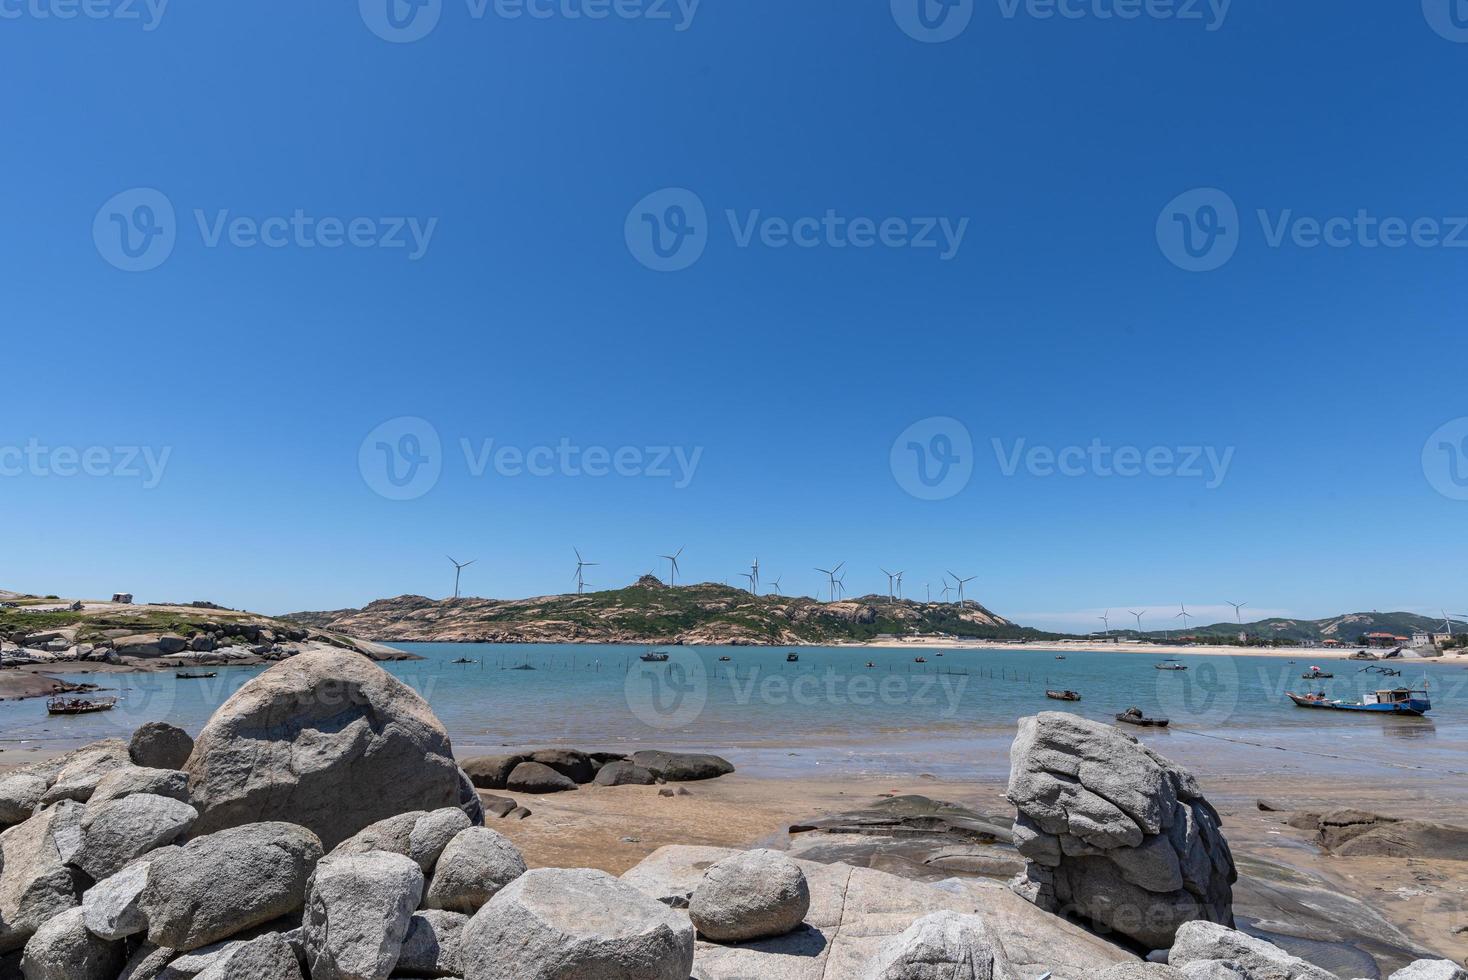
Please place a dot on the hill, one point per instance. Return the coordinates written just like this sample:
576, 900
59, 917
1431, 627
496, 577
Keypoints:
1347, 628
651, 612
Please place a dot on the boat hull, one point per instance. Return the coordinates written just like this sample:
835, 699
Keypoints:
1416, 707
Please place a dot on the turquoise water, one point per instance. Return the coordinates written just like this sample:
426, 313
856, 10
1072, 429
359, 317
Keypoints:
954, 714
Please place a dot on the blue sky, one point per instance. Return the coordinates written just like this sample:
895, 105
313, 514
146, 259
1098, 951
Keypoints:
1066, 156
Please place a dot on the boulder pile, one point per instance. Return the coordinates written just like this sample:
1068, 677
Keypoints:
561, 770
1115, 835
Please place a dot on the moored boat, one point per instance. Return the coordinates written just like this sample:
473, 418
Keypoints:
1063, 695
791, 658
463, 660
1171, 666
919, 660
79, 706
1134, 716
1399, 701
655, 657
195, 677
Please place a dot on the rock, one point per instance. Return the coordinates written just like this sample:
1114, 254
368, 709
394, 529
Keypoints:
110, 908
752, 895
1431, 970
473, 867
519, 813
599, 759
433, 945
536, 777
20, 794
564, 923
268, 958
118, 831
492, 771
624, 773
942, 946
1114, 832
327, 740
416, 835
1354, 833
184, 966
497, 805
1141, 971
130, 780
1337, 827
147, 963
63, 949
575, 766
221, 884
1203, 941
84, 769
357, 915
36, 884
158, 745
682, 767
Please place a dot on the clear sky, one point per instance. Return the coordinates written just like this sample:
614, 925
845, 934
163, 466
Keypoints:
620, 233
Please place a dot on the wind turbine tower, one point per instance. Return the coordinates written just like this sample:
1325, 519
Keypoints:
459, 567
673, 565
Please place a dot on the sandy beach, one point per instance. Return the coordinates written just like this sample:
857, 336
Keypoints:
1150, 649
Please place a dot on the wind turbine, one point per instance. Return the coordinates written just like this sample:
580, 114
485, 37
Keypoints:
1182, 615
1237, 606
946, 589
754, 576
830, 573
673, 565
889, 583
580, 564
1139, 620
776, 586
459, 566
750, 576
899, 584
961, 582
1448, 624
1106, 619
841, 586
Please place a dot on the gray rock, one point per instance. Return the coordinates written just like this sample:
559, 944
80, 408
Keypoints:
268, 958
492, 771
111, 909
63, 949
433, 945
680, 767
942, 946
130, 780
752, 895
432, 833
1212, 970
475, 865
624, 773
327, 740
184, 966
1431, 970
357, 915
536, 777
497, 805
116, 832
20, 794
1114, 832
147, 963
568, 923
1257, 959
575, 766
221, 884
35, 882
1141, 971
418, 835
84, 769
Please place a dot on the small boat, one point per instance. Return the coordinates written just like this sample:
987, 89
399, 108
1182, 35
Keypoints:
1316, 674
1059, 658
655, 657
521, 667
1134, 716
195, 677
1170, 666
940, 654
1399, 701
1063, 695
870, 664
724, 660
79, 706
919, 660
791, 658
463, 660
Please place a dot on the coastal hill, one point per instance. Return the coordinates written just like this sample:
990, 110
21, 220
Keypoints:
1347, 628
651, 612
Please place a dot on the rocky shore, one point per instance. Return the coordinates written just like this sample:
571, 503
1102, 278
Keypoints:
320, 827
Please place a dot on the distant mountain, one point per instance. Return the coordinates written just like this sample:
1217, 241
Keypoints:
651, 612
1347, 628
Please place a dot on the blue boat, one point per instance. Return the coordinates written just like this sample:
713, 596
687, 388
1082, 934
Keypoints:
1399, 701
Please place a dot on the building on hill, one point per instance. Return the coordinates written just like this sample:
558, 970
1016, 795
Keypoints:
125, 598
1386, 640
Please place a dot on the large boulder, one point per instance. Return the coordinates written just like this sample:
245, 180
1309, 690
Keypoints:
357, 915
36, 884
492, 771
1206, 942
624, 773
63, 949
942, 946
159, 745
84, 768
327, 740
116, 832
1431, 970
20, 795
473, 867
417, 835
752, 895
268, 958
131, 780
567, 923
537, 777
221, 884
575, 766
432, 946
682, 767
1114, 833
110, 908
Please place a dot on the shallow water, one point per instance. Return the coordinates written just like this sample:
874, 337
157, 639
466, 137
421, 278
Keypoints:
953, 715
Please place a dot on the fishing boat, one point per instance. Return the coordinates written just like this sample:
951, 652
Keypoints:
919, 660
1170, 666
1134, 716
1059, 658
791, 658
724, 660
870, 664
1063, 695
195, 677
1399, 701
463, 660
1316, 674
79, 706
655, 657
